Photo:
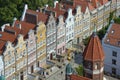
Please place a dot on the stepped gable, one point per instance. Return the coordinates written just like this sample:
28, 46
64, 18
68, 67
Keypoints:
94, 51
11, 33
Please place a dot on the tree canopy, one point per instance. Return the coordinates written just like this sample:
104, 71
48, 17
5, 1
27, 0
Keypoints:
14, 8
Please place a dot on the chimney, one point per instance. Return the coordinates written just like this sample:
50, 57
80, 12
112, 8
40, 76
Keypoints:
55, 2
24, 12
46, 6
3, 26
14, 21
19, 26
37, 10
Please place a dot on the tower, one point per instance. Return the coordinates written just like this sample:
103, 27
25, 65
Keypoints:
69, 71
93, 59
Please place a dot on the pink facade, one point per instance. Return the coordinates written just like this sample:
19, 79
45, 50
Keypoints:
60, 36
61, 48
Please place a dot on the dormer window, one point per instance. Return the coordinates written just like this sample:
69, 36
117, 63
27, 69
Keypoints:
41, 35
108, 40
118, 42
31, 41
112, 31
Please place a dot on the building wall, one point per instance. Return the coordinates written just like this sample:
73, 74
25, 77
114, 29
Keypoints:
51, 37
69, 23
108, 49
9, 60
60, 36
78, 25
41, 44
86, 24
21, 57
31, 51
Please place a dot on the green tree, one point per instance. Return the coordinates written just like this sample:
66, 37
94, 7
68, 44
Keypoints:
14, 8
79, 70
117, 20
85, 41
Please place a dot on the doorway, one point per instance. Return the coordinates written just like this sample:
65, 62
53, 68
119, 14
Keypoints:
32, 69
21, 76
51, 56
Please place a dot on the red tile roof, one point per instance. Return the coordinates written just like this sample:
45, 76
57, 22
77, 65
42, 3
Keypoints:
11, 33
2, 44
113, 36
39, 16
76, 77
58, 11
7, 37
86, 3
94, 50
25, 27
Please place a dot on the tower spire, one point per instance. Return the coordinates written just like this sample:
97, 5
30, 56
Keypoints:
93, 59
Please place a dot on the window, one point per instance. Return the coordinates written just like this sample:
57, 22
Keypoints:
41, 35
63, 47
114, 53
113, 70
38, 63
70, 19
114, 61
58, 50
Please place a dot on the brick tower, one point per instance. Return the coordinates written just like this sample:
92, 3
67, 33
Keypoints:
93, 59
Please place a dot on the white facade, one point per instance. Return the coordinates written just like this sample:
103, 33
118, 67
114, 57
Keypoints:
69, 23
1, 66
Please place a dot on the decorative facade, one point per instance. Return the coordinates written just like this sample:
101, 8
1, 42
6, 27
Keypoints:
69, 24
41, 45
60, 35
51, 36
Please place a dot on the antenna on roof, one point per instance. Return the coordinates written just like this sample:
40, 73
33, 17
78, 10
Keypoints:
24, 12
14, 21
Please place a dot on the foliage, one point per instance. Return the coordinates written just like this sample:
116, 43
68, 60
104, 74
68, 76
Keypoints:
102, 32
79, 70
111, 16
85, 41
117, 20
14, 8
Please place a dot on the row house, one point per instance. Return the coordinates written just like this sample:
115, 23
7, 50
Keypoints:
23, 48
49, 22
93, 13
60, 35
99, 12
69, 24
37, 41
115, 6
15, 54
82, 21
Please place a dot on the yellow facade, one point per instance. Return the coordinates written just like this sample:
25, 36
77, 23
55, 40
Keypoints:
21, 57
41, 44
78, 25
